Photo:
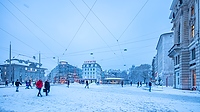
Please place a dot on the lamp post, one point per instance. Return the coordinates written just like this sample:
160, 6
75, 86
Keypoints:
92, 55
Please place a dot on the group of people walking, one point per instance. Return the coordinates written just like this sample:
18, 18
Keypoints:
39, 86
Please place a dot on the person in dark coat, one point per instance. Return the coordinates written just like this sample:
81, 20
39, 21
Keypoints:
17, 83
47, 87
87, 84
27, 85
6, 83
13, 83
138, 83
131, 83
30, 84
122, 83
39, 85
150, 84
68, 83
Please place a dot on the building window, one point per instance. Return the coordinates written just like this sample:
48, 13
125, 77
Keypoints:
179, 35
193, 56
192, 11
193, 77
192, 31
177, 60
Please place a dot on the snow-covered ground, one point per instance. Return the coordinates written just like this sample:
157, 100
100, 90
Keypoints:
99, 98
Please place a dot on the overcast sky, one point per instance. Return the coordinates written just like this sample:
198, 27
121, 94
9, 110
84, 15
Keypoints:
82, 30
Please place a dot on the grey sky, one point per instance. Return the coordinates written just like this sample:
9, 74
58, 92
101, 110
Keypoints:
69, 30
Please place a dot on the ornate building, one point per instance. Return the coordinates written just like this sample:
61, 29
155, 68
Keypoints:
186, 49
64, 71
91, 71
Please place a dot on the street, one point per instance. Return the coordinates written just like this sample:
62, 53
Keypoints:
100, 98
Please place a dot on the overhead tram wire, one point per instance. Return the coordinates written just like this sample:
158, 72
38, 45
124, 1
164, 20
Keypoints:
36, 24
107, 30
17, 39
17, 52
27, 28
79, 26
93, 28
127, 28
100, 21
133, 20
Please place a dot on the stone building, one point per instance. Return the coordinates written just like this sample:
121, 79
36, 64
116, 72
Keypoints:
91, 71
186, 49
22, 70
165, 63
63, 72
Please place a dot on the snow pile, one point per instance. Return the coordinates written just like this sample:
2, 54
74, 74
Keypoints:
99, 98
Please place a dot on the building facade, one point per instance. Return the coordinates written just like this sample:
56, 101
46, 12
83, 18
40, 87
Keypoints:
91, 71
154, 71
63, 72
165, 63
186, 49
21, 70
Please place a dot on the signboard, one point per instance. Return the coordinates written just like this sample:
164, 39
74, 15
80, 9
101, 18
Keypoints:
90, 61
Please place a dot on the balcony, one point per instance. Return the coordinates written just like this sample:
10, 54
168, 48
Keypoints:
175, 49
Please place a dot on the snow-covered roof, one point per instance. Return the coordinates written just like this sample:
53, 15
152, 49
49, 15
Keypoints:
113, 78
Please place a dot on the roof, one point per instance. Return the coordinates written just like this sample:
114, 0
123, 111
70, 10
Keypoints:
114, 79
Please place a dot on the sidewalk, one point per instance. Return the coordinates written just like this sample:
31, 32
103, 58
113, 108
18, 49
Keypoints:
168, 90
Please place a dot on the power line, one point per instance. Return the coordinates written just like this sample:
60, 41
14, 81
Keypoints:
101, 21
27, 28
36, 24
132, 20
93, 28
17, 39
80, 25
86, 51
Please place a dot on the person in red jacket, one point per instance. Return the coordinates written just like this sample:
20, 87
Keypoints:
39, 85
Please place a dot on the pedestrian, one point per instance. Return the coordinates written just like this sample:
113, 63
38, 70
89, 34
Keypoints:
87, 84
131, 83
138, 83
39, 85
122, 83
30, 84
6, 83
47, 87
12, 83
27, 84
17, 83
150, 84
68, 83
